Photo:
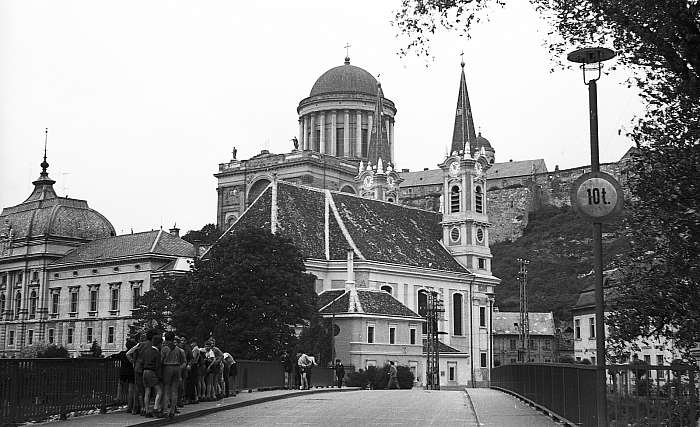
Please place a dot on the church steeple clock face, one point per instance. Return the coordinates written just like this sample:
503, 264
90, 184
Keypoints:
454, 168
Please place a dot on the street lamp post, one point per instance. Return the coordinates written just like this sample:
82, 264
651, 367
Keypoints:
591, 60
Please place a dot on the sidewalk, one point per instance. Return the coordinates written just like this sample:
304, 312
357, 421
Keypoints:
122, 418
495, 408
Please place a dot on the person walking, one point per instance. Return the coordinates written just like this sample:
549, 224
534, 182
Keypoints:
152, 364
393, 377
339, 373
174, 361
287, 367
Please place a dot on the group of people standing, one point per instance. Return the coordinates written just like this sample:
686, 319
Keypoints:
297, 371
173, 372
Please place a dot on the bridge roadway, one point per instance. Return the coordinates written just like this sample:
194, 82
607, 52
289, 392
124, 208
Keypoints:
327, 407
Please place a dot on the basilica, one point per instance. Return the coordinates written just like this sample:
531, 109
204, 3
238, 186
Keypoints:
337, 196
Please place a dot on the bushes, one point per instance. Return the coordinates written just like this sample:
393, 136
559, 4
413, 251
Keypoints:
43, 350
378, 378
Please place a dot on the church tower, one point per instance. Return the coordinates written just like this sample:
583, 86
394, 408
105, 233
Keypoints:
378, 179
465, 220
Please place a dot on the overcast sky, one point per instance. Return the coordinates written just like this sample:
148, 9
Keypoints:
143, 99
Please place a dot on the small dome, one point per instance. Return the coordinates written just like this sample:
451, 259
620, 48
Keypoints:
482, 142
46, 214
345, 79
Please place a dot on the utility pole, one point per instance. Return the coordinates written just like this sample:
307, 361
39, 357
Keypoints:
433, 313
524, 352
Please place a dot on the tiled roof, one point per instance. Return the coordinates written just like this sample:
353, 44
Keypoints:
429, 177
504, 322
518, 168
365, 301
442, 347
178, 264
150, 242
325, 297
379, 231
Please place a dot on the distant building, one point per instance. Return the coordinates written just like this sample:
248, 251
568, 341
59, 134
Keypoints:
652, 351
66, 279
542, 346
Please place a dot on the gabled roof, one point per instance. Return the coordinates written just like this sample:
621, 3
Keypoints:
375, 230
364, 301
506, 323
156, 242
442, 347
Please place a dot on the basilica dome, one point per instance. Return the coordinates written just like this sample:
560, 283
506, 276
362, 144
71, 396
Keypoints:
46, 214
345, 78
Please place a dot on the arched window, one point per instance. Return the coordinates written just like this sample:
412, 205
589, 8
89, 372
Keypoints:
457, 314
454, 199
423, 307
2, 303
479, 199
32, 304
387, 289
18, 303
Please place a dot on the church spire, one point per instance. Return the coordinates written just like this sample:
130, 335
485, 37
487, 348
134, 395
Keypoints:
464, 135
43, 187
379, 141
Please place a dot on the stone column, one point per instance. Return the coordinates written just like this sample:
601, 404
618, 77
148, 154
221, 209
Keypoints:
334, 133
358, 134
391, 141
305, 139
312, 134
388, 137
346, 134
301, 133
322, 127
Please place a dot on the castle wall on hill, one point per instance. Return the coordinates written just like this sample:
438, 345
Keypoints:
511, 199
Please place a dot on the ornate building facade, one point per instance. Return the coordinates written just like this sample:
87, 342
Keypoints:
67, 279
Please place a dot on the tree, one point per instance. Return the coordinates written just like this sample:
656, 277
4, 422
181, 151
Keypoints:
658, 41
316, 339
249, 292
207, 235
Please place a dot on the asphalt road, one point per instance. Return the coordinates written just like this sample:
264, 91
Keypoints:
359, 408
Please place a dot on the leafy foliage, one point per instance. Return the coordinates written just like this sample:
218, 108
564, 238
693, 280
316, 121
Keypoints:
316, 340
249, 293
207, 235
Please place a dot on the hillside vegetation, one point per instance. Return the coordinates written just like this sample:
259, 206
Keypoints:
558, 244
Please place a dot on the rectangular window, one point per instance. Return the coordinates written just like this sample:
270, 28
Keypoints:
93, 300
484, 361
577, 329
482, 264
19, 278
137, 296
54, 303
513, 344
547, 345
50, 336
89, 335
370, 363
69, 338
35, 276
74, 301
370, 334
110, 335
30, 337
115, 299
392, 335
591, 327
364, 142
659, 362
451, 373
592, 360
413, 335
11, 338
482, 317
533, 344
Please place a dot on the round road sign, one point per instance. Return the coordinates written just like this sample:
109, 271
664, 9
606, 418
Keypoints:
597, 196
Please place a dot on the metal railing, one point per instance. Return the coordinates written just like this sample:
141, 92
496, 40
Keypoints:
636, 394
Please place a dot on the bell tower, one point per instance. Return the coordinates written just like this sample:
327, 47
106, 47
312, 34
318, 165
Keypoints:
465, 222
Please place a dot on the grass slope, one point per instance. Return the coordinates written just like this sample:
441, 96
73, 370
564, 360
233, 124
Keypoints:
558, 244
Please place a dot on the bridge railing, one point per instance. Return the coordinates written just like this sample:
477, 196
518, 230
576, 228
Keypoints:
35, 389
646, 395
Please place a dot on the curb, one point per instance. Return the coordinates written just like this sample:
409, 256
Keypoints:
202, 412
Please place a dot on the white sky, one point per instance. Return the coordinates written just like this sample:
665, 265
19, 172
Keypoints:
143, 99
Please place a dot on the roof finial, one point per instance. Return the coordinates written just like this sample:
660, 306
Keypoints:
347, 53
45, 164
462, 56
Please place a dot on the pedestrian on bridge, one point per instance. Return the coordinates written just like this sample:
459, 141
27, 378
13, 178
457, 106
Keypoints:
393, 377
339, 373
